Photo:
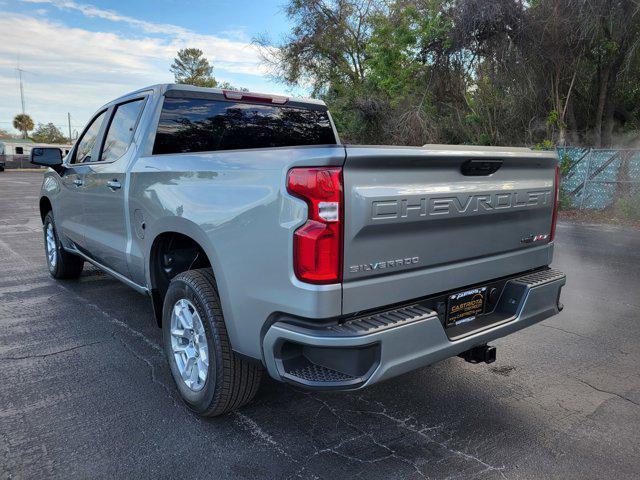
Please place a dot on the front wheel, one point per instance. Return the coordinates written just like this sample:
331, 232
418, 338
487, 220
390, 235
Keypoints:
211, 378
61, 263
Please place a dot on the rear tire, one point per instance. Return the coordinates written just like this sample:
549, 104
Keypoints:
62, 264
225, 381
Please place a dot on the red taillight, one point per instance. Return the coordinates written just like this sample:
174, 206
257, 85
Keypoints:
317, 245
554, 219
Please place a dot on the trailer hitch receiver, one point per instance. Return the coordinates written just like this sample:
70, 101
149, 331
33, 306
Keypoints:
481, 353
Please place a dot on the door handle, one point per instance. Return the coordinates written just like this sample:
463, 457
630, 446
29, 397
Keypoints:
114, 184
78, 182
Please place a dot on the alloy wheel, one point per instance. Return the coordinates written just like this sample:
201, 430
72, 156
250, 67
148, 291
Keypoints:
189, 344
52, 251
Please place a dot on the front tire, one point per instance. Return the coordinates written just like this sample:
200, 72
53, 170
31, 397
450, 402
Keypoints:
211, 378
61, 263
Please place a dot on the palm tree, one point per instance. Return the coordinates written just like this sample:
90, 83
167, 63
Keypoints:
24, 123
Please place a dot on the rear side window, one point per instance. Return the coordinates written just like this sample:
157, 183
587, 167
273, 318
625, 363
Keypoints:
121, 130
201, 125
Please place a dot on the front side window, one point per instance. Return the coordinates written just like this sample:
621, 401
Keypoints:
121, 130
201, 125
88, 140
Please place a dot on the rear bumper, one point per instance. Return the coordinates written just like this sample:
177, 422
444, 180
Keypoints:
371, 348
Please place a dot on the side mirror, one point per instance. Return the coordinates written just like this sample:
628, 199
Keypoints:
46, 156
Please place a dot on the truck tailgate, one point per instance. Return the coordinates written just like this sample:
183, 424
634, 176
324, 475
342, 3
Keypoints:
425, 220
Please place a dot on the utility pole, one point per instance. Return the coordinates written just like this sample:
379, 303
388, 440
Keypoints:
69, 122
21, 89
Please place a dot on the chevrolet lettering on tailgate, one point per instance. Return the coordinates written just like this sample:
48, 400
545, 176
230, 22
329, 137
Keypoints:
457, 205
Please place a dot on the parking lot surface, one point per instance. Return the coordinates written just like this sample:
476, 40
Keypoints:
85, 391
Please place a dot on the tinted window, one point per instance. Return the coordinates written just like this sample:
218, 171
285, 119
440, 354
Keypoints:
198, 125
121, 130
88, 140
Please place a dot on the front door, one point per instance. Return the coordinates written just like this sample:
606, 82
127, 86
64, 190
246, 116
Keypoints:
70, 213
68, 216
105, 225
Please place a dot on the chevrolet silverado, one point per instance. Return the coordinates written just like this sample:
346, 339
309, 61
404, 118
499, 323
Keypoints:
264, 243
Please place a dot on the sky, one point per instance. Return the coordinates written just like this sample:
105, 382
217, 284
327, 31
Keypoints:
77, 56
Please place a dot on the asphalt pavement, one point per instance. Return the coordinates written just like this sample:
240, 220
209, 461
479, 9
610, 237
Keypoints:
85, 391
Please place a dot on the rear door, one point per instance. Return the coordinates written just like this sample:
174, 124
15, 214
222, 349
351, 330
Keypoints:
105, 225
420, 221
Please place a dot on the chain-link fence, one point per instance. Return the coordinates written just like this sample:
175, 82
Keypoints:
596, 179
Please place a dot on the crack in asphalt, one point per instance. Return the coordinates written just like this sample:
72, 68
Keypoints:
132, 331
135, 333
586, 337
152, 370
91, 305
150, 343
254, 429
566, 331
6, 246
392, 453
597, 389
58, 352
422, 432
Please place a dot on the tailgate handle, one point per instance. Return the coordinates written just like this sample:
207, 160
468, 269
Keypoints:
480, 167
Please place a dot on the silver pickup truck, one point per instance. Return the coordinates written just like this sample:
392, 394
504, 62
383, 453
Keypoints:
265, 243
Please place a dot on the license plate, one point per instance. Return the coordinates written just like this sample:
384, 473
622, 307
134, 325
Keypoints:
465, 306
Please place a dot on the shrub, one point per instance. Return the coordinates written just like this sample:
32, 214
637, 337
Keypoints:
629, 208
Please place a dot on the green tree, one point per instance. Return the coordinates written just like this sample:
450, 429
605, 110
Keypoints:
500, 72
23, 123
48, 133
327, 50
615, 26
408, 67
192, 68
229, 86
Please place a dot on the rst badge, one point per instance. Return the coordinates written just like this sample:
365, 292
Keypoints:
535, 238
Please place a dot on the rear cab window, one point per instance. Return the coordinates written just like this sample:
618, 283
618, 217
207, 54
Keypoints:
121, 130
206, 125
